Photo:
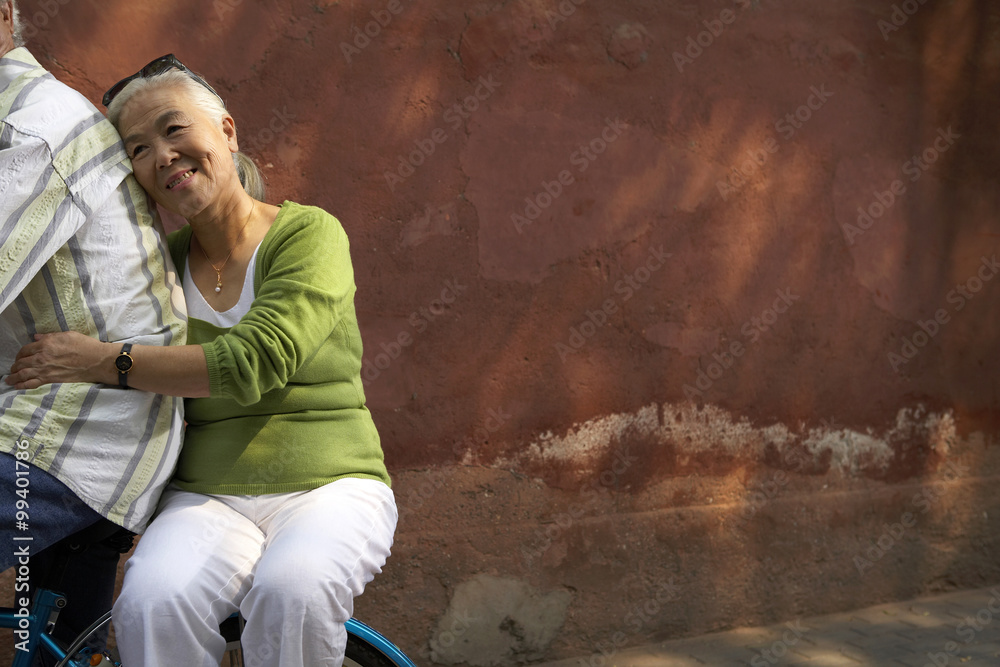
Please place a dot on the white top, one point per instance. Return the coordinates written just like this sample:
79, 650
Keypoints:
199, 308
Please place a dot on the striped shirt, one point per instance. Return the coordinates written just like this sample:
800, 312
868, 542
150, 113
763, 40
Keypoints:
79, 250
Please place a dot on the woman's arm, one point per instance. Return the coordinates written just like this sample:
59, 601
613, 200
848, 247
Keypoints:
309, 285
307, 290
178, 370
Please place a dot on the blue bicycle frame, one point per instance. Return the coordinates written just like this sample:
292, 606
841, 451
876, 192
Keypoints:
31, 636
384, 646
29, 630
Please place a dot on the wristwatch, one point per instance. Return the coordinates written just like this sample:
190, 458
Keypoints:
123, 364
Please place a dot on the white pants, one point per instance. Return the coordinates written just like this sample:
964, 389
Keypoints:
292, 564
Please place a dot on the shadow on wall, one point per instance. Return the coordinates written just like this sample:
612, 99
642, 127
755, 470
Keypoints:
746, 240
569, 213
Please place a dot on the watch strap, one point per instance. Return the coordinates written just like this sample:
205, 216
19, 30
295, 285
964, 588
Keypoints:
123, 376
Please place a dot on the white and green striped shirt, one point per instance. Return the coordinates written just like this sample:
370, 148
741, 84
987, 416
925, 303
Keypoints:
80, 251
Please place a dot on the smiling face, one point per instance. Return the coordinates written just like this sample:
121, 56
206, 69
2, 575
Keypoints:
181, 155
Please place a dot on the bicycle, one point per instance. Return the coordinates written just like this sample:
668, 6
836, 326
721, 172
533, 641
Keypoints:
33, 627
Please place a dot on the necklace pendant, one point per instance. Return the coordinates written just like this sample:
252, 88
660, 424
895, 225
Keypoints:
218, 269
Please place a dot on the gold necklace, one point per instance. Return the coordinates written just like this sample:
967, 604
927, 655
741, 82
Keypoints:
218, 269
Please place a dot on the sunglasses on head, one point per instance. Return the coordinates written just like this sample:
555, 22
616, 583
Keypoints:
154, 68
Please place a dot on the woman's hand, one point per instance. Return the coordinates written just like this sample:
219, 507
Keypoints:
63, 357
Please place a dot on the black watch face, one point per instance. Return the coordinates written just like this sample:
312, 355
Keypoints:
123, 363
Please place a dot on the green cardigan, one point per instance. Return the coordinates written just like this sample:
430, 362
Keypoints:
287, 407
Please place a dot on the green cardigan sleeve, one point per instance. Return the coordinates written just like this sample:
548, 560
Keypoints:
304, 284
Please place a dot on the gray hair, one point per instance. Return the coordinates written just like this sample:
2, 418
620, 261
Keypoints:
203, 98
18, 35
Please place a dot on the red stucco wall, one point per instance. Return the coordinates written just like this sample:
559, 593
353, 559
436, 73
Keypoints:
624, 321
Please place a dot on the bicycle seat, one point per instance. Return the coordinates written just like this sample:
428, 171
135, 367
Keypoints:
100, 531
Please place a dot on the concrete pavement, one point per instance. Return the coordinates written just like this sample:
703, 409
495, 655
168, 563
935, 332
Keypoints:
960, 629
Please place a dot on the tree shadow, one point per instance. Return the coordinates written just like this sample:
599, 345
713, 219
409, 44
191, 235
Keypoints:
556, 326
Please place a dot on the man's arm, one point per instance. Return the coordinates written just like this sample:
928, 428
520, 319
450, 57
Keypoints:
37, 213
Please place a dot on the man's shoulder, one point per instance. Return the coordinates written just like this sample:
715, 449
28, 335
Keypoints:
45, 115
36, 103
16, 63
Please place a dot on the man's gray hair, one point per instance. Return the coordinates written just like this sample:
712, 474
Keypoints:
18, 28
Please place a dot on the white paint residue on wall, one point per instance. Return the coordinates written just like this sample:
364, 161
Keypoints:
584, 443
944, 432
850, 449
712, 429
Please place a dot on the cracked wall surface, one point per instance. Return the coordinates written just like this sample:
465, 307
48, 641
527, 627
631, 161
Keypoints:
662, 306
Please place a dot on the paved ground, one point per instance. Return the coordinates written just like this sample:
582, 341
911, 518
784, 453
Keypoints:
956, 629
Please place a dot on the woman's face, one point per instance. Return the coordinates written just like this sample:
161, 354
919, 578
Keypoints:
180, 155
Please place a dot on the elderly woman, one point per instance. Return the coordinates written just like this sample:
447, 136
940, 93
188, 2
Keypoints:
280, 506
